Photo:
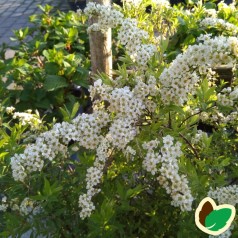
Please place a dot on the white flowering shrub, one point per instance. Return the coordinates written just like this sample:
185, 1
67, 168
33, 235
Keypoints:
184, 73
161, 135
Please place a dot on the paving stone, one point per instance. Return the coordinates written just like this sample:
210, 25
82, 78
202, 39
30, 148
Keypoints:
29, 11
6, 40
7, 13
17, 14
21, 10
14, 14
23, 21
7, 24
3, 31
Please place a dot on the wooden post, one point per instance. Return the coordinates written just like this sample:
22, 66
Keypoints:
100, 46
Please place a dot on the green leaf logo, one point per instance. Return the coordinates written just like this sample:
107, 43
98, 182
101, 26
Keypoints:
217, 219
213, 219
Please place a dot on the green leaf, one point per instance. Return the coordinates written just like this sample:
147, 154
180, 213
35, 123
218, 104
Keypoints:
46, 9
190, 39
3, 154
204, 85
73, 34
51, 68
45, 104
53, 82
65, 113
181, 21
164, 44
59, 46
38, 197
172, 108
75, 110
225, 162
210, 5
47, 188
217, 219
46, 54
107, 211
132, 192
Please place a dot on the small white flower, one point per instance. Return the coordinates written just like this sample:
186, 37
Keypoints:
177, 83
165, 163
228, 194
10, 110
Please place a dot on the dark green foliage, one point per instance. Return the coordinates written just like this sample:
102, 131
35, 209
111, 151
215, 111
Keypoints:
50, 61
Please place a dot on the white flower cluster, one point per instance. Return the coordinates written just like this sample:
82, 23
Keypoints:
143, 54
84, 129
93, 178
10, 110
152, 159
182, 76
143, 90
199, 137
217, 116
169, 178
129, 152
3, 204
224, 100
47, 146
121, 132
133, 3
25, 163
222, 6
221, 118
14, 204
131, 36
220, 24
126, 106
227, 96
210, 13
233, 42
204, 116
234, 94
225, 195
143, 86
99, 88
87, 128
107, 16
136, 3
161, 3
125, 103
225, 234
87, 206
29, 207
26, 207
27, 118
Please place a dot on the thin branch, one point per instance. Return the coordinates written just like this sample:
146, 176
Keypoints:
194, 115
191, 146
170, 121
108, 162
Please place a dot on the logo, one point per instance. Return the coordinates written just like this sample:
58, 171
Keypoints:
213, 219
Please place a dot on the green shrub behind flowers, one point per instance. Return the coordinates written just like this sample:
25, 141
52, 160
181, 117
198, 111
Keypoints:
161, 137
50, 63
